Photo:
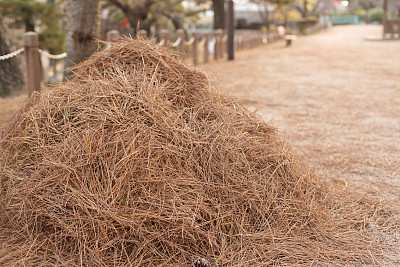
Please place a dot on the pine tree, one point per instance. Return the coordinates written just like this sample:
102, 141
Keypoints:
31, 13
11, 75
219, 14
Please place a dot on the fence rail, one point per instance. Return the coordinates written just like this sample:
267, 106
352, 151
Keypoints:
12, 54
197, 48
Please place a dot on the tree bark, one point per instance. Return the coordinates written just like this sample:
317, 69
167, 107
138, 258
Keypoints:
29, 26
305, 7
28, 20
136, 14
219, 14
82, 28
11, 74
176, 20
302, 11
264, 13
146, 12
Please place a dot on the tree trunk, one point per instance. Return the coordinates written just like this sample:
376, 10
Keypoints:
219, 14
28, 20
305, 6
384, 16
82, 28
266, 17
29, 26
134, 22
11, 74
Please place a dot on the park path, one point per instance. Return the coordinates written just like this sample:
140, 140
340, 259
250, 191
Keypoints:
334, 96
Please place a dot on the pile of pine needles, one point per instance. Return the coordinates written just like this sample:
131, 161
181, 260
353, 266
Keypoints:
137, 160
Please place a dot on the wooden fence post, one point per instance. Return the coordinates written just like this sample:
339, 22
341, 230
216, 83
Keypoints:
194, 48
216, 44
230, 31
245, 39
250, 40
33, 74
221, 44
181, 46
241, 41
205, 48
112, 35
384, 17
164, 35
224, 43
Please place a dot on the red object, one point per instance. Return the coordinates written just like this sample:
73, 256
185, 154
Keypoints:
126, 22
335, 3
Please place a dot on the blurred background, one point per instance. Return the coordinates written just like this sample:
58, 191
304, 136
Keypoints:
73, 26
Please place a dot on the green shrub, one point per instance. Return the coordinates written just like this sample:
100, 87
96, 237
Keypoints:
375, 15
362, 14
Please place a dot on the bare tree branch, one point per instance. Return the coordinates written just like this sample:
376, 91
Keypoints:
121, 5
148, 12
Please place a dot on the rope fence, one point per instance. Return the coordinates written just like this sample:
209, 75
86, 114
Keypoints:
42, 52
50, 56
197, 48
12, 54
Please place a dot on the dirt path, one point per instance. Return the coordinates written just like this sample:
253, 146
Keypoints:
335, 96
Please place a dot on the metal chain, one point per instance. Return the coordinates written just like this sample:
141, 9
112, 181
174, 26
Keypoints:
60, 56
13, 54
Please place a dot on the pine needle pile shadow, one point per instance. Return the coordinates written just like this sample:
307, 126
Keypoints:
137, 160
